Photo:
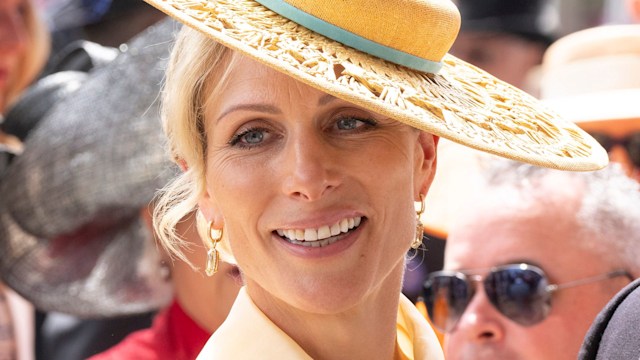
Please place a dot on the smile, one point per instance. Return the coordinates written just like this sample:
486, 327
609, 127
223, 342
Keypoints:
322, 236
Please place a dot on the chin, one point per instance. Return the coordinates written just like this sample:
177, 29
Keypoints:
329, 299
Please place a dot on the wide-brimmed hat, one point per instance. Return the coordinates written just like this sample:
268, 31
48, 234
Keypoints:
593, 75
589, 76
71, 236
391, 57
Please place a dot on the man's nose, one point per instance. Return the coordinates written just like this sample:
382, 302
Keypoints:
480, 322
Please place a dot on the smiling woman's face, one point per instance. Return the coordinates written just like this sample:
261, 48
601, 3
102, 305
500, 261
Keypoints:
286, 162
13, 41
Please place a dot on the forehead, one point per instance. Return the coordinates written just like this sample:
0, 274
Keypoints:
249, 77
510, 228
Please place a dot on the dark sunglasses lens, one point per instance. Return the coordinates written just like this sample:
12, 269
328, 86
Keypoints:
519, 294
605, 140
633, 148
446, 297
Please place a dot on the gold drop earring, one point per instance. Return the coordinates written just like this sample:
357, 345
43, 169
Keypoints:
213, 257
417, 241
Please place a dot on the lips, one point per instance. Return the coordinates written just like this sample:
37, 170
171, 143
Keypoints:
322, 236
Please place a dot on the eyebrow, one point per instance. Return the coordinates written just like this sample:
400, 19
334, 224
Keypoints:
325, 99
265, 108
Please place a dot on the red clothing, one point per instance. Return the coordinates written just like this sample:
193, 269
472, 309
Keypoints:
173, 335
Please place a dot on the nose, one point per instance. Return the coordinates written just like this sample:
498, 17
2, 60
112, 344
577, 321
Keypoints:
480, 322
13, 35
310, 166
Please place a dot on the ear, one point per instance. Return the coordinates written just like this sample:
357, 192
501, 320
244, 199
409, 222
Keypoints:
207, 206
426, 164
183, 165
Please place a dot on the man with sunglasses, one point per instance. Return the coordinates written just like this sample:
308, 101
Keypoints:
532, 260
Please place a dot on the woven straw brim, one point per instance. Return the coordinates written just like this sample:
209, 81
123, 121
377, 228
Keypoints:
461, 103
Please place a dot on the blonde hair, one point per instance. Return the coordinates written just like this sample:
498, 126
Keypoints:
197, 69
34, 57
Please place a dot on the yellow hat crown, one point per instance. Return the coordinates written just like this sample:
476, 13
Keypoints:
413, 33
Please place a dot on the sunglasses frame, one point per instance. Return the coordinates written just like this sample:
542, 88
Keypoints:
470, 280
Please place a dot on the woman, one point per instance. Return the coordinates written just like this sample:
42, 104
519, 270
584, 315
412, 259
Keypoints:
306, 158
99, 260
24, 49
24, 44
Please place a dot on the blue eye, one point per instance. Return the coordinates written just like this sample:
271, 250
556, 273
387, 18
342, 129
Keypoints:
353, 123
253, 137
347, 124
249, 138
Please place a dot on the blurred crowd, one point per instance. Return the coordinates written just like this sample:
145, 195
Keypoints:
83, 277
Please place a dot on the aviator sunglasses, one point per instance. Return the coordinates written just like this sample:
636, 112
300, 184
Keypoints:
521, 292
631, 143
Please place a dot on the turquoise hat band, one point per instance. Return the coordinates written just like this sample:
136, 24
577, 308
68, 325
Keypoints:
350, 39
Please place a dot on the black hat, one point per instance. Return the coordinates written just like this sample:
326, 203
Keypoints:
531, 19
71, 236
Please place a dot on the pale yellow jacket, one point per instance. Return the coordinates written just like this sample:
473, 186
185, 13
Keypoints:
249, 334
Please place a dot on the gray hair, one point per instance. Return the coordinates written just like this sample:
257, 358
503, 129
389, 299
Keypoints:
609, 210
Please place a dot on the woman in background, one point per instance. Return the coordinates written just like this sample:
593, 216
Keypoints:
24, 47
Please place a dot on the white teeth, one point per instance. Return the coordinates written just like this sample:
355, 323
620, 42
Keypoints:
321, 236
291, 234
310, 235
324, 232
344, 225
335, 229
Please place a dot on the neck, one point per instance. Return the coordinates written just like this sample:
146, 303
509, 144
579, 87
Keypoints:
366, 330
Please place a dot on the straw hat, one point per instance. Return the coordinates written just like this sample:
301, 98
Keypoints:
593, 75
71, 238
589, 77
401, 69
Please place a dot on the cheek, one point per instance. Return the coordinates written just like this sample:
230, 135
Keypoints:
234, 180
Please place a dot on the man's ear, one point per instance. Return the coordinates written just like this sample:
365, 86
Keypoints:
426, 171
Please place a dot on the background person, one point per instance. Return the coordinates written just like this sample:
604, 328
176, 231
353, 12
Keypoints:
580, 229
24, 44
289, 175
605, 108
507, 38
77, 244
24, 47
